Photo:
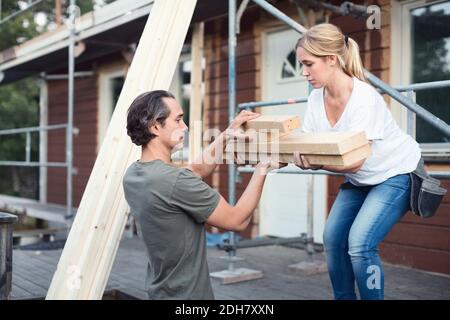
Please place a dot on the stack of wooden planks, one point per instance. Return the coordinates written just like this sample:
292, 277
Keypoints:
273, 137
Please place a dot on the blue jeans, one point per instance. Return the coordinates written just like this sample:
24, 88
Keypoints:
359, 220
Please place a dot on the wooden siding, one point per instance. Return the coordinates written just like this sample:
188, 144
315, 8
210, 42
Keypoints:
84, 151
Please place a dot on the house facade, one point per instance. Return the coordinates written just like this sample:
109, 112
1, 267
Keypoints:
266, 70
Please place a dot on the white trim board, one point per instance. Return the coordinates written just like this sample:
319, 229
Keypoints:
105, 108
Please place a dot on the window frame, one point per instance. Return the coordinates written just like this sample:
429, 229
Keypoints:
401, 71
105, 97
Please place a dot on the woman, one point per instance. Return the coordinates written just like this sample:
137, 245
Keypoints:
376, 192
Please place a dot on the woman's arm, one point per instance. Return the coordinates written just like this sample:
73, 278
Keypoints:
345, 169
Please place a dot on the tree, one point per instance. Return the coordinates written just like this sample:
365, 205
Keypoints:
19, 108
24, 27
19, 101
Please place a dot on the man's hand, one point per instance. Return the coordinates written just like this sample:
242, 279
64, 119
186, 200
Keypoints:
234, 130
301, 162
267, 166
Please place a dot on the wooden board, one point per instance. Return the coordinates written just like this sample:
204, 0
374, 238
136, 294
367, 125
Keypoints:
284, 124
88, 255
254, 158
327, 143
265, 135
347, 159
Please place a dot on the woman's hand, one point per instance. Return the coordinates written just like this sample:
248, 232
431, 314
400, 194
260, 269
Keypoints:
301, 162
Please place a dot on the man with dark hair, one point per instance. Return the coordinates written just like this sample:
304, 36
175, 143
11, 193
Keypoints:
172, 204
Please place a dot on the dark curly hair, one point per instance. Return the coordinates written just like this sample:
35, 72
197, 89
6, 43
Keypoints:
145, 110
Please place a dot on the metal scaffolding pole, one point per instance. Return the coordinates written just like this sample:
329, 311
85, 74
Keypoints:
232, 274
70, 101
231, 113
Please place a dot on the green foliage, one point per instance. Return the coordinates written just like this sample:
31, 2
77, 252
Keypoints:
19, 108
23, 27
18, 29
19, 102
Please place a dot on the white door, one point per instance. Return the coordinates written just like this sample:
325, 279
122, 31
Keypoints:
283, 205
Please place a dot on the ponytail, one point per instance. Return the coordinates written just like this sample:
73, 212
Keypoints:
352, 64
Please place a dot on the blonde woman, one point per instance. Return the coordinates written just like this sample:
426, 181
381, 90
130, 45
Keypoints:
376, 192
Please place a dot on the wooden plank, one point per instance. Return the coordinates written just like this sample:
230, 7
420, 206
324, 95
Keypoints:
195, 104
330, 143
89, 253
265, 135
347, 159
33, 208
284, 124
350, 158
253, 158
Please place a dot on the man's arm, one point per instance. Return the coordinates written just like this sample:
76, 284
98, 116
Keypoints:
206, 162
236, 218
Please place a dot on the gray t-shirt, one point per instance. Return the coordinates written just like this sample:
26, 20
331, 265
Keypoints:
171, 205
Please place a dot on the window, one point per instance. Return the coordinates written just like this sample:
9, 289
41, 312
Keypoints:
116, 85
291, 67
430, 61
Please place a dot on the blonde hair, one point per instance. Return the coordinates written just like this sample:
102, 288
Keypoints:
326, 39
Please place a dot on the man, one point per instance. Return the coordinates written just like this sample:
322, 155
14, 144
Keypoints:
172, 204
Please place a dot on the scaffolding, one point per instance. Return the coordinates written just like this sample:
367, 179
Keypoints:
407, 101
403, 94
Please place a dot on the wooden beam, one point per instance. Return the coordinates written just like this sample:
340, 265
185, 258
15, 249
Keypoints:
266, 135
328, 160
195, 104
284, 124
254, 158
329, 143
347, 159
88, 255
